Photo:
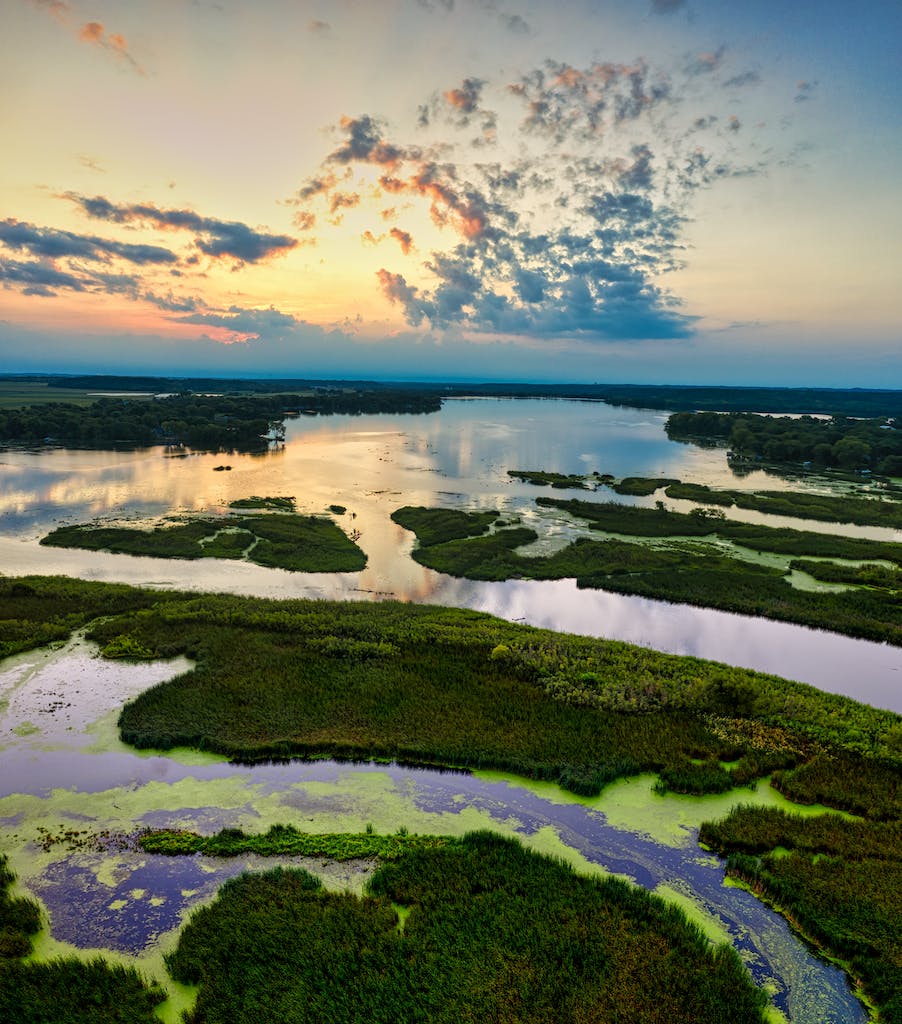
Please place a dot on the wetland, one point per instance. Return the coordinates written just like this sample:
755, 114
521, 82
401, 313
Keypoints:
603, 743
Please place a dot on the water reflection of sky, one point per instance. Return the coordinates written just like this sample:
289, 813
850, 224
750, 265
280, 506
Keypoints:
456, 458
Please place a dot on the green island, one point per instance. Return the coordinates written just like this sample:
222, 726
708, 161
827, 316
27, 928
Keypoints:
685, 564
287, 841
279, 503
850, 444
461, 689
876, 511
278, 540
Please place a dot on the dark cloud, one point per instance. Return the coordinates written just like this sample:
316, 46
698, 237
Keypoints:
54, 244
319, 28
667, 6
364, 143
465, 98
804, 91
38, 278
214, 238
570, 238
742, 80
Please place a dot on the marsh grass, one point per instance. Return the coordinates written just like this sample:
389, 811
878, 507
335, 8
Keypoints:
840, 883
492, 932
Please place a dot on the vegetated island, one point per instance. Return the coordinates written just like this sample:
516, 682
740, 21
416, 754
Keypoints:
878, 509
461, 689
851, 444
279, 540
684, 565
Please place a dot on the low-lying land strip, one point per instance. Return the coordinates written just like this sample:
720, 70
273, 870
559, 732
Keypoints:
278, 540
877, 510
461, 689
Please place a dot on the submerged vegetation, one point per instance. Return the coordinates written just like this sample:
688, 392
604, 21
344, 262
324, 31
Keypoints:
461, 689
280, 540
698, 573
63, 991
492, 932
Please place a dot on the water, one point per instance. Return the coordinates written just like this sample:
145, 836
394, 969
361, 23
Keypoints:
456, 458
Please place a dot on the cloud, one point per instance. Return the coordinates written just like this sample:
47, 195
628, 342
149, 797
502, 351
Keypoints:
466, 97
706, 63
243, 324
403, 238
57, 8
214, 238
93, 33
667, 6
54, 244
571, 235
740, 81
319, 28
565, 102
38, 278
364, 143
805, 91
514, 23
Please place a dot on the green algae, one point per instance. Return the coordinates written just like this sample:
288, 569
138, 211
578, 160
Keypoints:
633, 805
711, 925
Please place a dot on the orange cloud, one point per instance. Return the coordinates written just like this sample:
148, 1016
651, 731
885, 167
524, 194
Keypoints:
94, 33
403, 238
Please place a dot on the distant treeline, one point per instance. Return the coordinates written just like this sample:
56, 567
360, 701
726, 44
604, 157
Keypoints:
830, 401
206, 422
847, 443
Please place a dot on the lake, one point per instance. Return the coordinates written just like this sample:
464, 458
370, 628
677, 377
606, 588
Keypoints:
456, 458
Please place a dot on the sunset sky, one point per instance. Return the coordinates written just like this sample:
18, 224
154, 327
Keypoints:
662, 191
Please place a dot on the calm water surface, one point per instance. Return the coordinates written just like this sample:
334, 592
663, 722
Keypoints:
456, 458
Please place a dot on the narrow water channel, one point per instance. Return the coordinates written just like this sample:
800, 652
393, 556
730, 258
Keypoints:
64, 771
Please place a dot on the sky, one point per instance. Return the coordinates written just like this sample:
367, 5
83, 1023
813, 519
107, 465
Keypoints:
646, 191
